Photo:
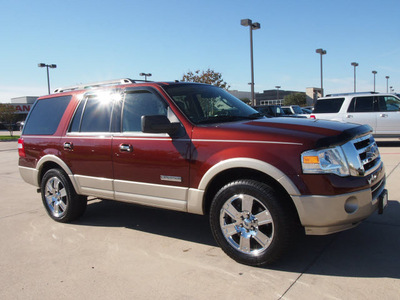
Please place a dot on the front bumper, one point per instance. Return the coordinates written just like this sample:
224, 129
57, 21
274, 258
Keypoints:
321, 215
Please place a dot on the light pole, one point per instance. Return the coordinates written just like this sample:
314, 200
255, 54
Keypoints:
354, 64
387, 84
253, 26
277, 93
321, 52
374, 72
52, 66
145, 75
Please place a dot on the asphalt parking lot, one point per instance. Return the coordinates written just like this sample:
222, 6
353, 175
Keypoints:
121, 251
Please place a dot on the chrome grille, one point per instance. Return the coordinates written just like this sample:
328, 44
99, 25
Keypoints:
363, 155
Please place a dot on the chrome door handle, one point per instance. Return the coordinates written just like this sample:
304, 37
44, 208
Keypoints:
383, 115
68, 146
125, 148
349, 116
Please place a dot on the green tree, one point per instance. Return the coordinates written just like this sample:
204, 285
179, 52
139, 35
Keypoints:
295, 99
209, 76
7, 116
246, 100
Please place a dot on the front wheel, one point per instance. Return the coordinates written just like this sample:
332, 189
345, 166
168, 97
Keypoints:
250, 222
59, 197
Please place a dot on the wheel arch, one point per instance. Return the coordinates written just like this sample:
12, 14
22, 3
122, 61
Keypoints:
48, 162
244, 168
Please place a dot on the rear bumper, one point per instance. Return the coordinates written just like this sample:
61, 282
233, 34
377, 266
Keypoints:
29, 175
321, 215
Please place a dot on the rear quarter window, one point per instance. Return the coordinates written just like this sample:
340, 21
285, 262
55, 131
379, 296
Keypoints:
331, 105
46, 115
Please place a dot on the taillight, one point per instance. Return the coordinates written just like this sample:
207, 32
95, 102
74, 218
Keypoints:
312, 117
21, 148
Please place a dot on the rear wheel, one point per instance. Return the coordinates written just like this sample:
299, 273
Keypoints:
251, 223
59, 197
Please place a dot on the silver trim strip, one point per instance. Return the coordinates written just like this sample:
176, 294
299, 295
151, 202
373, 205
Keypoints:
247, 141
171, 178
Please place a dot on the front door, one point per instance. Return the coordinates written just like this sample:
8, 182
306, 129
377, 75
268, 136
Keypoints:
388, 117
150, 169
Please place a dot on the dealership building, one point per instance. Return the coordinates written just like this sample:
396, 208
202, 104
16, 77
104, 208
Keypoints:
23, 106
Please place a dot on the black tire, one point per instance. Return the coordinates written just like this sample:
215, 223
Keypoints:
59, 198
251, 223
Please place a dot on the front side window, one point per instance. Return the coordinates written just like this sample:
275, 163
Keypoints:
389, 103
138, 104
331, 105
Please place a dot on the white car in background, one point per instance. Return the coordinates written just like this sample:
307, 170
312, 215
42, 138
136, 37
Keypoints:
380, 111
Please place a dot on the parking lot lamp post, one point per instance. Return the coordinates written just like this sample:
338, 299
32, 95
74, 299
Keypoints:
52, 66
253, 26
354, 64
277, 93
387, 84
374, 72
321, 52
145, 75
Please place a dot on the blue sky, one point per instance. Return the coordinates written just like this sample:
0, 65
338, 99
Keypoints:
101, 40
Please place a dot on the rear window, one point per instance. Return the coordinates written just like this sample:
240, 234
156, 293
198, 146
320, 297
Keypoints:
331, 105
46, 115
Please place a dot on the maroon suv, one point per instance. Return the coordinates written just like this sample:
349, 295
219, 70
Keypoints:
196, 148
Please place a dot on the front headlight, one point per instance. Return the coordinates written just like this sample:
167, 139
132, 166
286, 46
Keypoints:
325, 161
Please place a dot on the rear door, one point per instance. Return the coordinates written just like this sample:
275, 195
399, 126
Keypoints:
151, 169
87, 145
362, 111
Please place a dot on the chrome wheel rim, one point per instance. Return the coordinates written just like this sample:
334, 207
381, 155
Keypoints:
247, 224
56, 197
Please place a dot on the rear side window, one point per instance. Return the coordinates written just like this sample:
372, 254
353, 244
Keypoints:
331, 105
93, 115
361, 104
46, 115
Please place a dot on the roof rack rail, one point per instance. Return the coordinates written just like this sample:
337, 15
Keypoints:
346, 94
97, 84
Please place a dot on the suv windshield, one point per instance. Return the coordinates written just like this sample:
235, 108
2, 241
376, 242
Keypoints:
204, 104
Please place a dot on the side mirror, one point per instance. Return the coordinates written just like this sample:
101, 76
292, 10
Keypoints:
159, 124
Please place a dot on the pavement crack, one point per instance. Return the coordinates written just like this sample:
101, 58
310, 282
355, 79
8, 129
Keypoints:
388, 175
17, 214
316, 258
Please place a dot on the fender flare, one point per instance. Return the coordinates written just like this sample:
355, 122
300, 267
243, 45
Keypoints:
54, 159
249, 163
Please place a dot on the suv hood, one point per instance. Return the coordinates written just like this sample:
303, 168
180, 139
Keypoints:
314, 133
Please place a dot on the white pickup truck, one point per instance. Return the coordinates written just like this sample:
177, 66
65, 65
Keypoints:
380, 111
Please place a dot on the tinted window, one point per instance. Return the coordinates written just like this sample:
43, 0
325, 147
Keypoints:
389, 103
361, 104
297, 109
46, 115
97, 115
76, 121
138, 104
331, 105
